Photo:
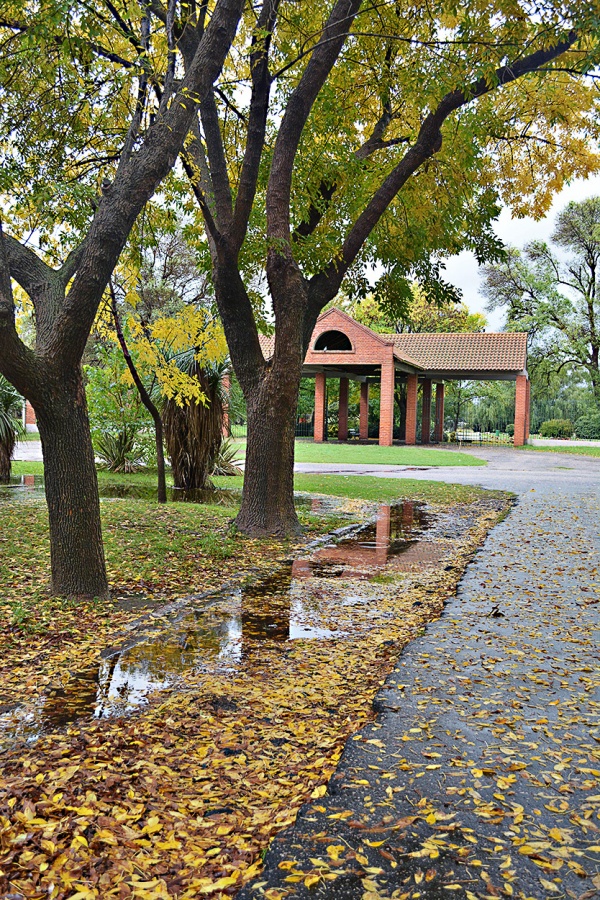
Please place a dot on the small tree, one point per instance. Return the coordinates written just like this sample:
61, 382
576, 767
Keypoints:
194, 430
11, 405
556, 299
80, 120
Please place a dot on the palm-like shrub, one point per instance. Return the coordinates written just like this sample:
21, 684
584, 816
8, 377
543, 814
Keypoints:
118, 452
226, 462
194, 432
11, 427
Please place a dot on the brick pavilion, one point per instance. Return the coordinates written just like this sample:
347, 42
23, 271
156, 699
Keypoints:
341, 347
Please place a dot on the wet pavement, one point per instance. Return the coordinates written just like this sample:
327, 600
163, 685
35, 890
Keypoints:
481, 776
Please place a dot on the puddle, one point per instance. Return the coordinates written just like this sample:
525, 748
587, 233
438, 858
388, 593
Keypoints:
395, 531
30, 487
224, 631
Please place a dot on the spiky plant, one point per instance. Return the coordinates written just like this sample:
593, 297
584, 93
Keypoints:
11, 427
193, 433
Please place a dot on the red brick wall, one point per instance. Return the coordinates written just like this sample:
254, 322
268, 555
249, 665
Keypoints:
320, 394
412, 385
30, 418
521, 410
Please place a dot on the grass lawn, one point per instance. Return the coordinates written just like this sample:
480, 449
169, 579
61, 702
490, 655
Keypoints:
359, 487
576, 451
372, 454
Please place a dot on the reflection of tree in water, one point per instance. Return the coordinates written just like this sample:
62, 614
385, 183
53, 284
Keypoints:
266, 609
77, 698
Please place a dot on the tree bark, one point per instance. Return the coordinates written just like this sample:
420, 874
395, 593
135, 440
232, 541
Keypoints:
268, 496
77, 555
5, 464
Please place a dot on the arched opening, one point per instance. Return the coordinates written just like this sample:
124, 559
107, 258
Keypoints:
333, 341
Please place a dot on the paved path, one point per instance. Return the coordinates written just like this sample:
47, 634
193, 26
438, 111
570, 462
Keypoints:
29, 450
481, 775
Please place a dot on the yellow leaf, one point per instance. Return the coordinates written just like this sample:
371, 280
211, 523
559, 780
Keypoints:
319, 791
549, 885
310, 880
220, 884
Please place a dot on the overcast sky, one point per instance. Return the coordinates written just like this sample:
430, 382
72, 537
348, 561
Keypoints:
463, 270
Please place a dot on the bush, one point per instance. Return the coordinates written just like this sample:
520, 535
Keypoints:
588, 427
118, 452
556, 428
510, 430
225, 463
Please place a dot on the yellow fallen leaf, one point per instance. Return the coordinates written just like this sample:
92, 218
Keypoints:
549, 885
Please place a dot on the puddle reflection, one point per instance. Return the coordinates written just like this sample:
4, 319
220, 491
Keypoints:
226, 632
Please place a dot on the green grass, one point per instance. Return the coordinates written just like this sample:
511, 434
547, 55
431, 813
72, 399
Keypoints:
575, 451
360, 487
372, 454
378, 490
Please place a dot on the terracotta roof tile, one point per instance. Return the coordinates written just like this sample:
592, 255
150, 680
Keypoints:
505, 351
487, 351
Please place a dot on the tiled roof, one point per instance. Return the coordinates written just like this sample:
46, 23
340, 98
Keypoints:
464, 352
267, 345
484, 352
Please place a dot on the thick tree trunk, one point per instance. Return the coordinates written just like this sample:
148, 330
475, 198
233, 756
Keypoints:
77, 555
268, 496
5, 464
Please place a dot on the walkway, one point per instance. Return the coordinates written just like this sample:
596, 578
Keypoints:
31, 451
481, 776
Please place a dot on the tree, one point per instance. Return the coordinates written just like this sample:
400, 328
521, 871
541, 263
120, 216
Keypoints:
420, 315
160, 298
11, 405
194, 430
347, 137
555, 298
59, 106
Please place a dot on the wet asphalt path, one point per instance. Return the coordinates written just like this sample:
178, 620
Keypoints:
481, 776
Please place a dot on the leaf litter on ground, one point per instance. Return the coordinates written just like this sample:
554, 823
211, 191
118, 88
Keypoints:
182, 798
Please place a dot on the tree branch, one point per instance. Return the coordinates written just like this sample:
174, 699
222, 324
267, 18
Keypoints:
299, 106
17, 362
135, 184
25, 266
257, 119
428, 142
221, 187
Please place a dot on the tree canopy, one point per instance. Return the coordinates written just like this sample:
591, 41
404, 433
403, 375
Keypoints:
552, 292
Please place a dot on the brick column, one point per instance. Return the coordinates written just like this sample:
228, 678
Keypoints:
363, 429
382, 534
412, 384
30, 418
520, 410
528, 410
426, 417
320, 403
439, 413
343, 411
386, 404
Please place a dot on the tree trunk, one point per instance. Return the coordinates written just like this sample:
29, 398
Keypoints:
160, 458
5, 464
77, 555
268, 496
